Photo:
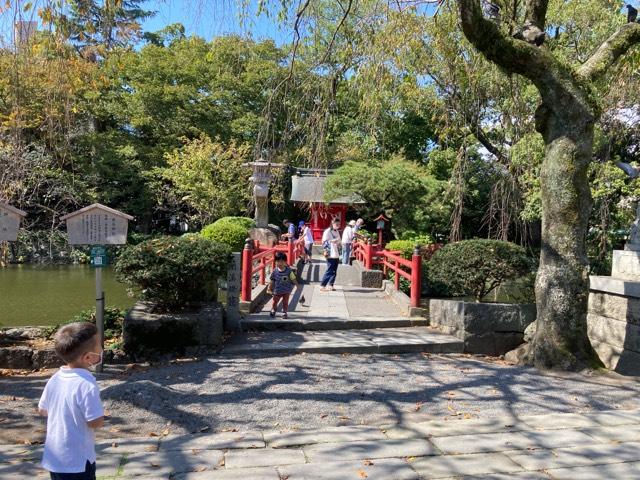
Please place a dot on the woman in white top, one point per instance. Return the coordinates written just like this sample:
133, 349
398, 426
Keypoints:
331, 245
307, 238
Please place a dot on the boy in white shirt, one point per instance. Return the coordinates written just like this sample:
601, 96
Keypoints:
71, 403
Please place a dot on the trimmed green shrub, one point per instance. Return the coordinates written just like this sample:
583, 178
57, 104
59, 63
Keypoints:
245, 222
476, 267
230, 234
405, 246
174, 271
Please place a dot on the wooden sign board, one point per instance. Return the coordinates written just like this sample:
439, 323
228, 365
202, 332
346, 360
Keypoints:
97, 225
10, 218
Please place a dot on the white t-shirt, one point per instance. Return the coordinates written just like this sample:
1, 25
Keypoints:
347, 235
71, 399
333, 237
308, 235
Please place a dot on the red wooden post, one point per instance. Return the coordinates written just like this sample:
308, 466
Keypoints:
291, 258
368, 261
262, 267
247, 266
396, 275
416, 276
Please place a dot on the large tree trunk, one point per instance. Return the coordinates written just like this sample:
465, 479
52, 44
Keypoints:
565, 120
562, 283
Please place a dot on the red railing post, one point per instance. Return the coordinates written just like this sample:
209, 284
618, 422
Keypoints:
291, 252
368, 261
262, 268
247, 266
416, 276
396, 275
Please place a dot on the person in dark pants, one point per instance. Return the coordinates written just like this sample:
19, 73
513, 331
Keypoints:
331, 240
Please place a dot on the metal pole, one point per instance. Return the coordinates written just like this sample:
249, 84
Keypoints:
99, 311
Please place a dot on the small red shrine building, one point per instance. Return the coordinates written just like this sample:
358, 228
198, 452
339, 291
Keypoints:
307, 191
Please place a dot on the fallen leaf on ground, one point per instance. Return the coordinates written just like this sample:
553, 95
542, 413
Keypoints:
362, 474
204, 429
367, 462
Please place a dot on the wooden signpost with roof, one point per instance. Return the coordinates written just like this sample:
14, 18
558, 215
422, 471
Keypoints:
99, 226
10, 218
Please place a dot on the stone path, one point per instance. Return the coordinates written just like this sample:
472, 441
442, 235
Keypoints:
595, 445
351, 319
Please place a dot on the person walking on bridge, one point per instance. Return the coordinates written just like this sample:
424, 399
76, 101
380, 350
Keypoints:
331, 250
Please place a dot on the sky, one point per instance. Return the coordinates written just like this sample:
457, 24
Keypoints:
210, 18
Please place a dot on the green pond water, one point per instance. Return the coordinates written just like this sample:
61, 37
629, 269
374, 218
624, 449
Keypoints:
47, 295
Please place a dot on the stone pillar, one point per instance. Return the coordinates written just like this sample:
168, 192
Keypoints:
233, 293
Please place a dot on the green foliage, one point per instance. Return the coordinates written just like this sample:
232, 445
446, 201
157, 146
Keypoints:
405, 247
208, 178
244, 222
228, 233
113, 320
476, 267
400, 188
173, 271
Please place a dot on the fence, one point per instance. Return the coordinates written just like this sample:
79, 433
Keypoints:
256, 258
371, 255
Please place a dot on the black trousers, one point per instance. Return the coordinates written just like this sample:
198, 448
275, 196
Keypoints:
88, 474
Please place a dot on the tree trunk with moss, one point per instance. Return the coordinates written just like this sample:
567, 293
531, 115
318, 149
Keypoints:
565, 119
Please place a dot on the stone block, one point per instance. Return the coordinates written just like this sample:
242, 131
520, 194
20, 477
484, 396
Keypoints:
127, 445
325, 435
395, 448
263, 457
627, 470
616, 286
447, 466
172, 332
387, 469
261, 473
223, 440
628, 433
617, 307
16, 357
485, 328
545, 459
626, 265
448, 428
624, 362
613, 332
369, 278
46, 359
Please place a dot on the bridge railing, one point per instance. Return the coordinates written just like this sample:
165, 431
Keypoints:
256, 258
371, 255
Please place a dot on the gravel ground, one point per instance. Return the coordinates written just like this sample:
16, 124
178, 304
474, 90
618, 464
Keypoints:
310, 391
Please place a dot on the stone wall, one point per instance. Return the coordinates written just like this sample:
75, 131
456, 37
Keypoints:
613, 323
145, 332
485, 328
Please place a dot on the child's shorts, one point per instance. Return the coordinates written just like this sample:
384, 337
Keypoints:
88, 474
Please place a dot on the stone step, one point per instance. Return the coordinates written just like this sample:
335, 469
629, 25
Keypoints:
385, 340
263, 322
314, 271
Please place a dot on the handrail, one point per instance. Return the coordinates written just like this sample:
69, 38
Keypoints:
371, 255
256, 257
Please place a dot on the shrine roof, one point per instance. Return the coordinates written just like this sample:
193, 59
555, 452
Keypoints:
13, 209
97, 206
309, 188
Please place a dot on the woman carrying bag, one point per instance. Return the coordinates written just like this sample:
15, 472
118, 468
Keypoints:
331, 241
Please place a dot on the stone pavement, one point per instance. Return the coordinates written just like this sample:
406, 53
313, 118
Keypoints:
595, 445
351, 319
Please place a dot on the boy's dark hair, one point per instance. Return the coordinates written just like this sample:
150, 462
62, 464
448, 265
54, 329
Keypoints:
280, 256
285, 221
74, 339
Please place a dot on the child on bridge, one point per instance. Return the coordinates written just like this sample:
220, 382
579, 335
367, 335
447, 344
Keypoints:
283, 280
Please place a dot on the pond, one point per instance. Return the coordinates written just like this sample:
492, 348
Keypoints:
47, 295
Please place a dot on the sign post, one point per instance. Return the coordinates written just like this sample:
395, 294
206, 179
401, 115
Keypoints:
10, 218
98, 225
233, 293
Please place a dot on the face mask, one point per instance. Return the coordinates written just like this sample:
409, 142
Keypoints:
99, 355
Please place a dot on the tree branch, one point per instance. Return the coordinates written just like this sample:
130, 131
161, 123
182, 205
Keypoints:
512, 55
486, 143
608, 53
536, 12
